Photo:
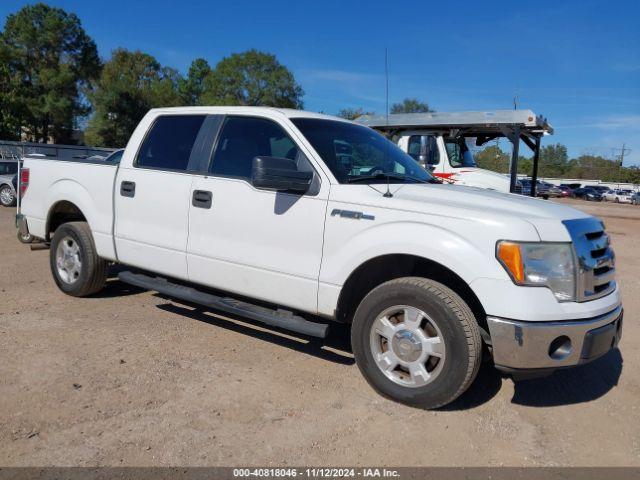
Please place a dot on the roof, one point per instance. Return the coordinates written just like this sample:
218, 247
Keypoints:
481, 122
287, 112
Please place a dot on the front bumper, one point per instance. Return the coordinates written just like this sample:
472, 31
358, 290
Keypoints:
519, 345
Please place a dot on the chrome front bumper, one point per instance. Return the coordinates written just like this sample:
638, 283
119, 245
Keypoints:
519, 345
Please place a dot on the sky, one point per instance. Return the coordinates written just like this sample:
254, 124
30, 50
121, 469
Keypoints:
575, 62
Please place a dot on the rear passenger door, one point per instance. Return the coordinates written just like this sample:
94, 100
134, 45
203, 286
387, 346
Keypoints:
257, 243
153, 195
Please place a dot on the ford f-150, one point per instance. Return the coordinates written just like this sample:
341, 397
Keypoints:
295, 219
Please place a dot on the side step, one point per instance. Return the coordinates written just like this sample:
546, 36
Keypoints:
275, 318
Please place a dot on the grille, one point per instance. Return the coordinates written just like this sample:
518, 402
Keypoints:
594, 257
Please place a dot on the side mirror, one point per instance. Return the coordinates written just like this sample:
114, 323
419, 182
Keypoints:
281, 174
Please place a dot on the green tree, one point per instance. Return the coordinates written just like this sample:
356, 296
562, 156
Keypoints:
410, 105
251, 78
594, 167
554, 161
131, 83
48, 60
493, 158
352, 113
192, 86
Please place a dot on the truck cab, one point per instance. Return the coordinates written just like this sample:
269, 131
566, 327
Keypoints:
451, 159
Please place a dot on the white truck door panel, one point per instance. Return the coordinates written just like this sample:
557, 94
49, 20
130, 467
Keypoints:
152, 226
258, 243
153, 196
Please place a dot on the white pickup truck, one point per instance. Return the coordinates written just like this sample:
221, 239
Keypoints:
293, 219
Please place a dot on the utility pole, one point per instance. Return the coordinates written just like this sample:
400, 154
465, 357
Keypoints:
623, 151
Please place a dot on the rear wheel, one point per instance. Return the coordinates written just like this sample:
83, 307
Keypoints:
416, 341
7, 197
25, 237
76, 267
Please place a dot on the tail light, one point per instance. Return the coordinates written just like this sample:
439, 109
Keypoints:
24, 181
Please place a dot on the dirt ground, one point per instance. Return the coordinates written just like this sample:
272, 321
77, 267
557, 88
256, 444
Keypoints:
130, 378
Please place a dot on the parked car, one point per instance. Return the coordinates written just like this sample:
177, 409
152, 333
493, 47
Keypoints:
587, 193
543, 189
8, 168
572, 186
617, 196
259, 203
565, 191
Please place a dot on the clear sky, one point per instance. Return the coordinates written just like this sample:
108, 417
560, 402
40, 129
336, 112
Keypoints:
575, 61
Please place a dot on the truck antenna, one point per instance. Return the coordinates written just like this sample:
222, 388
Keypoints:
388, 193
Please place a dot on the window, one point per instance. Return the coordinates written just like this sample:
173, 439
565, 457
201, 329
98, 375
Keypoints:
424, 149
244, 138
355, 153
115, 157
415, 146
459, 153
169, 142
8, 168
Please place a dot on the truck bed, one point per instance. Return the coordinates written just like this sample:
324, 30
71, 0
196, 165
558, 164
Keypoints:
88, 184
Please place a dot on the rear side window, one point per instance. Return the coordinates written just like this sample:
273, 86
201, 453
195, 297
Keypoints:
8, 168
169, 143
244, 138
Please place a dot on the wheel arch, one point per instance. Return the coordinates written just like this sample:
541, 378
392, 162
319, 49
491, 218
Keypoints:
378, 270
61, 212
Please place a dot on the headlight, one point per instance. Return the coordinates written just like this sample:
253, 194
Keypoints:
540, 264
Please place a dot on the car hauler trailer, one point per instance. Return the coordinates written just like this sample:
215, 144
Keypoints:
442, 141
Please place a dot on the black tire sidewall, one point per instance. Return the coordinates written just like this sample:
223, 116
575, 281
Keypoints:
443, 388
76, 287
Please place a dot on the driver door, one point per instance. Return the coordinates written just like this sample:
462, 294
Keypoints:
257, 243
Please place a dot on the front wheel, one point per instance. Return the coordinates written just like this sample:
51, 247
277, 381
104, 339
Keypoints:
75, 265
417, 342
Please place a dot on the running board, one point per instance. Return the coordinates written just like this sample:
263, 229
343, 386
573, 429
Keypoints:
276, 318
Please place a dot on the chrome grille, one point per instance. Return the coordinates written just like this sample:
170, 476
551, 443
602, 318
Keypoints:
595, 259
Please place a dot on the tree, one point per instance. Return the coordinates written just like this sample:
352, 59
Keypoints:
131, 83
493, 158
251, 78
48, 60
192, 86
352, 113
554, 161
410, 105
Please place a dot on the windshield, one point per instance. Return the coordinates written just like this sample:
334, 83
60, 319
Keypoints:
355, 153
459, 153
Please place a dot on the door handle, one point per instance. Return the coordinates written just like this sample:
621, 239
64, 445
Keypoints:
201, 199
128, 189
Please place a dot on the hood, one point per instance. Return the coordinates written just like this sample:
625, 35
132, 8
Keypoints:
478, 177
473, 203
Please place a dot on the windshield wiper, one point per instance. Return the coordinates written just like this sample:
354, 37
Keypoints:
382, 176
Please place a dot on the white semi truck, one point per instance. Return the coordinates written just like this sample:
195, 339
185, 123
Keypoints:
296, 219
444, 142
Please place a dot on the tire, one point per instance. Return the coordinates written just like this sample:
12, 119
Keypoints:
617, 200
80, 272
456, 357
7, 197
26, 238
